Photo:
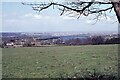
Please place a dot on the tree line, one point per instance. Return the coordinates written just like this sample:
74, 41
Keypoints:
95, 40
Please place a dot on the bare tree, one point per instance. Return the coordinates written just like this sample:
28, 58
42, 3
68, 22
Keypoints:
116, 5
81, 7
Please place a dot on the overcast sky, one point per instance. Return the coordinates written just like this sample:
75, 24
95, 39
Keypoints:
20, 18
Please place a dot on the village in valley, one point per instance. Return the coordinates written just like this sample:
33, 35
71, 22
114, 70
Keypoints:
12, 40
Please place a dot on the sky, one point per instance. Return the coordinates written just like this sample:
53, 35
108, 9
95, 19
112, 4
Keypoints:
21, 18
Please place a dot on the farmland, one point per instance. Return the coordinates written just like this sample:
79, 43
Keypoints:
44, 62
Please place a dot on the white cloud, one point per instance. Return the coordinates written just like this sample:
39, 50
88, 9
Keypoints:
28, 15
34, 16
43, 22
37, 16
68, 18
108, 19
88, 21
103, 19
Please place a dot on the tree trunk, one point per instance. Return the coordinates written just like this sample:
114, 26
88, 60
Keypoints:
116, 5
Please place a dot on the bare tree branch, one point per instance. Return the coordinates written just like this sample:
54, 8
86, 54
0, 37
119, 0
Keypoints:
85, 8
97, 11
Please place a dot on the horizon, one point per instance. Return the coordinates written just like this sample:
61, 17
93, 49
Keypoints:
78, 32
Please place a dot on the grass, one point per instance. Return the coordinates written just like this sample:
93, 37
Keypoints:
54, 62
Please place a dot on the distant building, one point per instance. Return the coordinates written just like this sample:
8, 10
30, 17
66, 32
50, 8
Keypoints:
10, 44
18, 45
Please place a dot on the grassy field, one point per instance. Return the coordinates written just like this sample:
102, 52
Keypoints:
44, 62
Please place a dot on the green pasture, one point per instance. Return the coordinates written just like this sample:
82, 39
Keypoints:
59, 61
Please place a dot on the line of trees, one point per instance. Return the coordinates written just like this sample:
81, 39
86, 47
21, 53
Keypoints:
95, 40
